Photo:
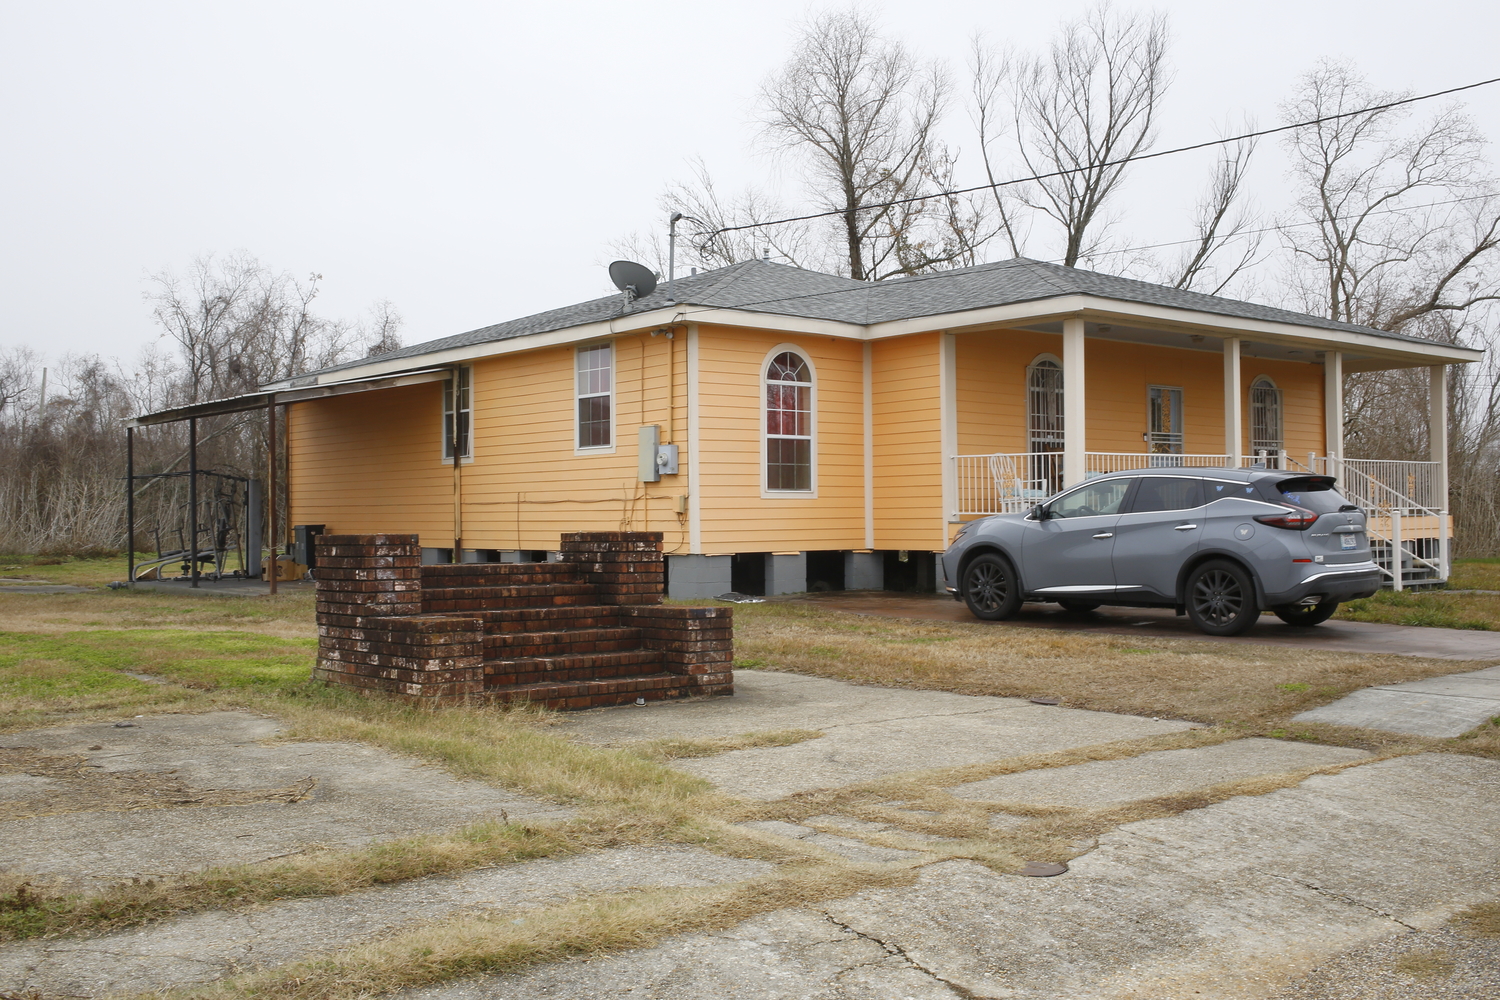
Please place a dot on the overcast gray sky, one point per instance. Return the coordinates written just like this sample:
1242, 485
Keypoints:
471, 162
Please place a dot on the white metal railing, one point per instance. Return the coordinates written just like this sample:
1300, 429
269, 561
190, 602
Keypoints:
1006, 483
1392, 493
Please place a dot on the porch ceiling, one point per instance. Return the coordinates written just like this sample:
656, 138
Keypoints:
1307, 350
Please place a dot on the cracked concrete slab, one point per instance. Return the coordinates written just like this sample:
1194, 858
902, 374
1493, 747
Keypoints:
1438, 706
360, 794
1234, 900
1161, 772
870, 732
204, 947
854, 850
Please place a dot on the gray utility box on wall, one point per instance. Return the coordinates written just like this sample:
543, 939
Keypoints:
654, 459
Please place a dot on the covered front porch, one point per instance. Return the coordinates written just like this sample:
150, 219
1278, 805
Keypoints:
1275, 402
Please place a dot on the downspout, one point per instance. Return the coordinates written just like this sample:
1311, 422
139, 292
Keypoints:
271, 535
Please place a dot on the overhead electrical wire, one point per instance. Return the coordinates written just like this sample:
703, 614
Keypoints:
1106, 164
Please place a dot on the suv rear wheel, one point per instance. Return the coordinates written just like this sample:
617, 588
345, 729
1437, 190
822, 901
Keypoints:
1306, 614
990, 587
1221, 598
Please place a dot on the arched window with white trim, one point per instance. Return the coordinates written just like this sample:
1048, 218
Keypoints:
1265, 421
789, 424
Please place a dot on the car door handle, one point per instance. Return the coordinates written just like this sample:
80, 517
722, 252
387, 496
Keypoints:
1185, 527
1105, 534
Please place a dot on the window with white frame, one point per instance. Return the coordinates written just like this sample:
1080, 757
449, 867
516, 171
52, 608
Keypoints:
458, 415
1265, 421
595, 392
1164, 409
789, 430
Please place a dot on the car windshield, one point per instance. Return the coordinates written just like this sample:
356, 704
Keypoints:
1314, 494
1092, 500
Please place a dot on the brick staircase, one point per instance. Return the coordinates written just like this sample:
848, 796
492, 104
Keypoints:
587, 631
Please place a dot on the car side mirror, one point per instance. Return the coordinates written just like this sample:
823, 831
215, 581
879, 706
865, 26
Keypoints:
1040, 512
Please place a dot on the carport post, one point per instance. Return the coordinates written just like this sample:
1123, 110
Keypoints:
1333, 411
271, 494
1075, 456
130, 506
193, 497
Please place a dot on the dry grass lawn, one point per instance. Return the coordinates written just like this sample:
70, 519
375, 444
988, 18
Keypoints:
67, 658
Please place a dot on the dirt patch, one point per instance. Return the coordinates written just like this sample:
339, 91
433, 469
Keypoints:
75, 785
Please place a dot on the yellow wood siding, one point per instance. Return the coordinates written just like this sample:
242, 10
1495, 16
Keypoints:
737, 515
371, 462
992, 394
908, 443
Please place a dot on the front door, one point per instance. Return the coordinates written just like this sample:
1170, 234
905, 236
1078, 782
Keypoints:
1069, 552
1158, 532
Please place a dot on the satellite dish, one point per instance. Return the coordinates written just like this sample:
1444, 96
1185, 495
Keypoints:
632, 279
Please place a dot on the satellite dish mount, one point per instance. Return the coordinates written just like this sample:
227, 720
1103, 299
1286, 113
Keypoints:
631, 278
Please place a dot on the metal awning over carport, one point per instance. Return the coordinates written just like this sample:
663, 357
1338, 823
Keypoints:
245, 403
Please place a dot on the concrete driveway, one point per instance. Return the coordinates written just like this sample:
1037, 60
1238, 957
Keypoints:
1351, 637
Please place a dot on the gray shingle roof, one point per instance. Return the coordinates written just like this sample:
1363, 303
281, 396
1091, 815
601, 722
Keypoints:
762, 286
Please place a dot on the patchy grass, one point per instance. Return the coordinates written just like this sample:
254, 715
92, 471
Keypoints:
1481, 920
468, 944
1432, 608
28, 912
1475, 574
288, 614
1246, 687
92, 571
683, 749
1425, 964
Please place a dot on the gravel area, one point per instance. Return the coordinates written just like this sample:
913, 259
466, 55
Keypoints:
1442, 964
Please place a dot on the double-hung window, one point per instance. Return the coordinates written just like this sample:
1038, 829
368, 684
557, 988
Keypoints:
789, 424
595, 393
458, 415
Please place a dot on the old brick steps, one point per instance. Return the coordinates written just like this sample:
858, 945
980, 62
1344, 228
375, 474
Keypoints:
589, 630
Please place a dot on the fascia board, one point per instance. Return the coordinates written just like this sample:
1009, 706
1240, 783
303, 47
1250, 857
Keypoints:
492, 348
1189, 321
781, 323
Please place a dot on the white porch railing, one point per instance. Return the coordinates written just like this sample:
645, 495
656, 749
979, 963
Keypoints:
1407, 522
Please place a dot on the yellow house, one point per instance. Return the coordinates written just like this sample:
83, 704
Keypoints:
790, 430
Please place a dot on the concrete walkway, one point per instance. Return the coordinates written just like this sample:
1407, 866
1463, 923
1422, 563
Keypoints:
1438, 706
1234, 900
1350, 637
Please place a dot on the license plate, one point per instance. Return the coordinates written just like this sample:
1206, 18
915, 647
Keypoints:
1348, 541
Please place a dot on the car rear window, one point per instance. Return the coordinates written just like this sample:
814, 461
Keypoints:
1315, 494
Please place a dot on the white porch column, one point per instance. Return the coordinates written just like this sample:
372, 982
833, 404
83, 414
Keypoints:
1075, 443
1437, 429
948, 428
1234, 417
1333, 411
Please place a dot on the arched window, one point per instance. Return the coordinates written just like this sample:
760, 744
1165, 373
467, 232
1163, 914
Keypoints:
1265, 421
789, 424
1044, 422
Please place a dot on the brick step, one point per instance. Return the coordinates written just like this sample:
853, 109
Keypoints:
569, 667
596, 693
449, 599
500, 574
514, 645
503, 620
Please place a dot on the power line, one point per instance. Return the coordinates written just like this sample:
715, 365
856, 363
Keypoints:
1294, 225
1108, 163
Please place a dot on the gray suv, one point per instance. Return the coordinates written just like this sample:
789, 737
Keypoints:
1219, 545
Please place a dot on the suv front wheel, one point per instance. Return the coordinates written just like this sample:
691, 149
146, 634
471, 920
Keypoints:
1221, 598
990, 587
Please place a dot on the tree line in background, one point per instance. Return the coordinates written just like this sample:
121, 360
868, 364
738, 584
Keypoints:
1394, 224
227, 326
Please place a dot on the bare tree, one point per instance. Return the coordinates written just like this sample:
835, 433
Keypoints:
1082, 110
1222, 223
382, 334
988, 73
1393, 226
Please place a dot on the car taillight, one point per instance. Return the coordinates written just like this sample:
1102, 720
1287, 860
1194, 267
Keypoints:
1296, 519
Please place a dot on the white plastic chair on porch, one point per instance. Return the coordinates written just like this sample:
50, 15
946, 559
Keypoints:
1016, 494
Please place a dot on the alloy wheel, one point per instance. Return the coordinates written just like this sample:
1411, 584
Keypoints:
1217, 597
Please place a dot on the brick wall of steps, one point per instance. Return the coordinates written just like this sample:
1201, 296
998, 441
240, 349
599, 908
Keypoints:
580, 633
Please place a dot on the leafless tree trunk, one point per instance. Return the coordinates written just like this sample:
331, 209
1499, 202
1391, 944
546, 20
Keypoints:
1090, 103
1222, 224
